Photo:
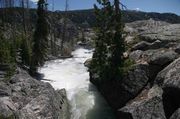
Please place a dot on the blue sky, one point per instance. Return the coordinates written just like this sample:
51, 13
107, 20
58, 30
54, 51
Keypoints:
170, 6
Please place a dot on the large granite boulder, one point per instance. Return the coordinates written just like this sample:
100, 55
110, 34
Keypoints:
157, 59
26, 98
169, 80
162, 58
119, 92
170, 76
136, 55
147, 105
144, 45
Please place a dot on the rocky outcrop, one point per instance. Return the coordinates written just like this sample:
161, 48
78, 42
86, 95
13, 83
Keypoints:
87, 63
151, 34
151, 88
169, 77
162, 58
147, 105
118, 93
169, 80
23, 97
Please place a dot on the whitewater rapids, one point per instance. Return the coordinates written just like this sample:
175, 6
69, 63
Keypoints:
85, 101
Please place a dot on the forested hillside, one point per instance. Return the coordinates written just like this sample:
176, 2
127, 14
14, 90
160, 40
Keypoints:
88, 16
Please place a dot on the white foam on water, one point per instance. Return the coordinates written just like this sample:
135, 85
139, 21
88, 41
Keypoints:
71, 74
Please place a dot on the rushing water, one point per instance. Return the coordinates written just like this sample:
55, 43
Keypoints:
85, 100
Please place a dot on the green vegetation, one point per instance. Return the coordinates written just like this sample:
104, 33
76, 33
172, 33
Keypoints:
109, 44
26, 51
127, 65
10, 117
40, 41
7, 58
18, 47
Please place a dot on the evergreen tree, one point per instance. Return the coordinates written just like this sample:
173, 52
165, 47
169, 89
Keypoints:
100, 56
109, 44
117, 47
26, 52
40, 43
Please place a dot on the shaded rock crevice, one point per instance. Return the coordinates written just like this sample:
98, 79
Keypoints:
171, 100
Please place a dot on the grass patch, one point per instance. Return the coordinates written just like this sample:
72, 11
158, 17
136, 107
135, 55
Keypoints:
127, 65
10, 117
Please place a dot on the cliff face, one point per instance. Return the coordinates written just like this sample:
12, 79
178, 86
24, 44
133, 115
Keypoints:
150, 89
22, 97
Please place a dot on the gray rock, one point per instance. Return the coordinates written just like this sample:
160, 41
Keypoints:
143, 45
118, 93
87, 63
157, 59
147, 105
162, 58
144, 26
136, 55
169, 80
27, 98
170, 76
164, 35
7, 108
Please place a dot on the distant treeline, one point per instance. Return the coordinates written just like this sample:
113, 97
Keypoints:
88, 16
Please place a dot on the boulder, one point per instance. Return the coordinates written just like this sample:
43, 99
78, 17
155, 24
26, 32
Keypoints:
157, 59
162, 58
26, 98
157, 44
7, 108
143, 45
136, 55
169, 80
147, 105
170, 76
154, 34
87, 63
119, 92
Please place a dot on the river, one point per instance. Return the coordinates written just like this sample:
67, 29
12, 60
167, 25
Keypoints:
85, 101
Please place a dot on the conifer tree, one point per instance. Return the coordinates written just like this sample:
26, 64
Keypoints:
100, 56
40, 43
117, 46
109, 43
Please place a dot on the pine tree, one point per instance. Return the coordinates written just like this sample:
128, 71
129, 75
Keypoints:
100, 56
109, 43
40, 43
117, 46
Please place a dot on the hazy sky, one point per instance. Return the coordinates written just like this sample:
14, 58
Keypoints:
172, 6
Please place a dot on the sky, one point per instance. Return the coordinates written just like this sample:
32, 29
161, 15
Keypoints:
162, 6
